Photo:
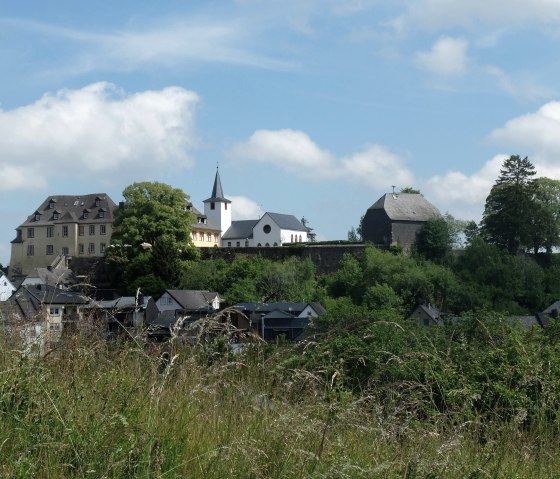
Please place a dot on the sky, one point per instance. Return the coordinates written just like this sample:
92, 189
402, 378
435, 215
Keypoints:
314, 108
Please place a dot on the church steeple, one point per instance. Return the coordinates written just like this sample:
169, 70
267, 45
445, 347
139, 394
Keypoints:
216, 207
217, 192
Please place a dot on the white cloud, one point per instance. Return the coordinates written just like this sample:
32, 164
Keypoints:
297, 153
244, 208
292, 150
523, 87
538, 131
461, 194
169, 43
438, 14
96, 129
448, 56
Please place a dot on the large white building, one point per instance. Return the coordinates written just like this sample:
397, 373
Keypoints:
272, 229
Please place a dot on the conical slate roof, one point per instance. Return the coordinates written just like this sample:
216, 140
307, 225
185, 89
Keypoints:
217, 192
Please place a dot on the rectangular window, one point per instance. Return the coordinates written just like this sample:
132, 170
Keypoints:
51, 205
86, 215
215, 237
50, 231
81, 248
208, 237
37, 217
102, 214
65, 251
212, 206
229, 243
97, 202
50, 249
238, 244
193, 234
30, 250
54, 311
102, 247
81, 230
201, 236
91, 248
102, 229
55, 216
65, 231
31, 232
91, 230
225, 206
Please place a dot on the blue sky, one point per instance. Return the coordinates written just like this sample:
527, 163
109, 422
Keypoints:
311, 107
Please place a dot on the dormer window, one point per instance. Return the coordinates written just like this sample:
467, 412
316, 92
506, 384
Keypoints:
37, 217
51, 204
56, 215
97, 202
86, 214
102, 214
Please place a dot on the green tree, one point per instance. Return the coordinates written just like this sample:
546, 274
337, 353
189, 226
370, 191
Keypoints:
507, 219
310, 235
151, 236
434, 240
546, 215
355, 234
410, 189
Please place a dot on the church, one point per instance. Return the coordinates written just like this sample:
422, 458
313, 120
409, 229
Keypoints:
271, 229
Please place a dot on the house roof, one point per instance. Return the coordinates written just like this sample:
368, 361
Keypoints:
192, 300
293, 309
428, 309
71, 208
240, 229
201, 216
287, 222
50, 295
124, 302
406, 207
217, 192
553, 308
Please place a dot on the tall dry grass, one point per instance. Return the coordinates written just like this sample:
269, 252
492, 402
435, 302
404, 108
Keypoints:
93, 408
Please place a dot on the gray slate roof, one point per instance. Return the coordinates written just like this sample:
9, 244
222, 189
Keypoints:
292, 308
287, 222
240, 229
217, 192
70, 208
406, 207
201, 216
193, 300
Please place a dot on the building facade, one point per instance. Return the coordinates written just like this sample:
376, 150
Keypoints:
62, 226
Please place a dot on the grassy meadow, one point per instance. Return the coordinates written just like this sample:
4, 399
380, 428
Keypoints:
96, 409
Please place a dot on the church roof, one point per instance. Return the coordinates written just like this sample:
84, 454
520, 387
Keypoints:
240, 229
217, 192
287, 222
406, 207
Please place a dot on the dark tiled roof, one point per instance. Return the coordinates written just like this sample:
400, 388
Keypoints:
217, 192
240, 229
287, 222
406, 207
293, 309
71, 209
201, 216
50, 295
193, 300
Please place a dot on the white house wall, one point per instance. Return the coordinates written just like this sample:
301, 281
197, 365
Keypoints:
6, 288
276, 235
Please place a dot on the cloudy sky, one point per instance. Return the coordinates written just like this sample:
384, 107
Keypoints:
311, 107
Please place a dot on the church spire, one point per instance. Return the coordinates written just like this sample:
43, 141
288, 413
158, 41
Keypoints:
217, 191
